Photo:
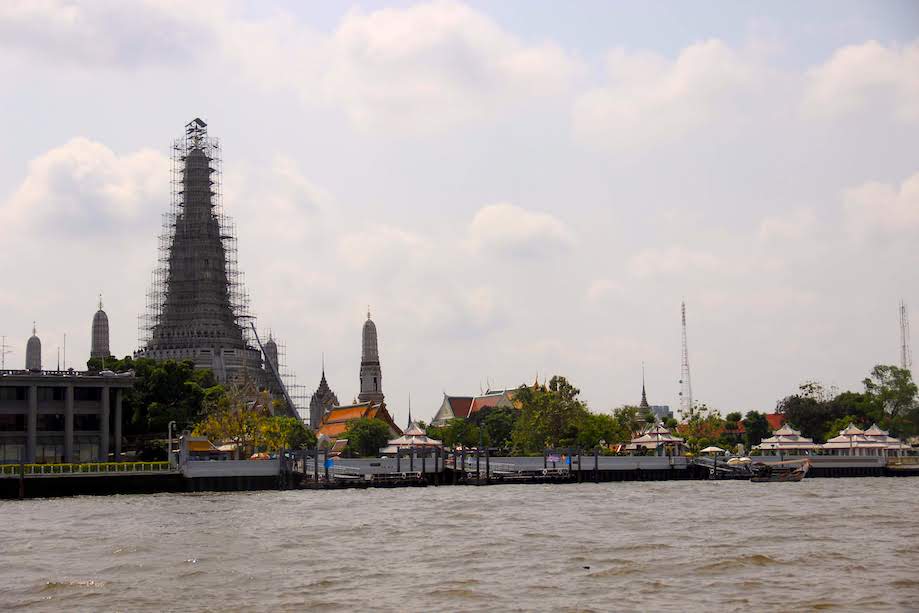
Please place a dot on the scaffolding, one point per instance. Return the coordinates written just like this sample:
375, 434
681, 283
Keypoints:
197, 296
297, 392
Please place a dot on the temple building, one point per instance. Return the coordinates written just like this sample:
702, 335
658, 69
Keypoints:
335, 422
99, 347
661, 412
371, 375
323, 400
33, 351
787, 440
853, 441
415, 438
465, 407
197, 307
658, 441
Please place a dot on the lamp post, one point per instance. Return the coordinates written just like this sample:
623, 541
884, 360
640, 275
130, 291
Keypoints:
169, 429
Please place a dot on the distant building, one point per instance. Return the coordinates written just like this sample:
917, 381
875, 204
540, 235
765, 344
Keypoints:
661, 412
323, 400
33, 351
52, 417
464, 407
335, 422
100, 334
371, 374
658, 441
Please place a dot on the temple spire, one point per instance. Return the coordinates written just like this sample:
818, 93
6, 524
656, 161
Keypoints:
644, 396
409, 411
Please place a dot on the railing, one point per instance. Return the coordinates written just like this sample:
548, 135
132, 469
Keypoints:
89, 468
910, 460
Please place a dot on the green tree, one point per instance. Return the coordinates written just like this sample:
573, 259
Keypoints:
549, 416
231, 419
756, 428
457, 432
366, 436
497, 424
703, 427
596, 427
281, 432
630, 422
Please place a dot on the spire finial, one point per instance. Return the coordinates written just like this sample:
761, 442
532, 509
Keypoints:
100, 301
368, 311
323, 363
644, 396
33, 329
409, 410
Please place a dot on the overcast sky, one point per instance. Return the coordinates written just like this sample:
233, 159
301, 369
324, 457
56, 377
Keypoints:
515, 188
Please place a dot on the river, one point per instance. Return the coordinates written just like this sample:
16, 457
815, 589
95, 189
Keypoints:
678, 545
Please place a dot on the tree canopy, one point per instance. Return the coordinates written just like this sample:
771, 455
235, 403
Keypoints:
366, 436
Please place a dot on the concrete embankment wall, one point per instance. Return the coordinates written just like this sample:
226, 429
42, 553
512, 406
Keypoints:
231, 475
55, 486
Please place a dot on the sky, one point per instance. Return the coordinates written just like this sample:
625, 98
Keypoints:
516, 189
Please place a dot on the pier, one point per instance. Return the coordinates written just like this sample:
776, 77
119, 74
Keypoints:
312, 469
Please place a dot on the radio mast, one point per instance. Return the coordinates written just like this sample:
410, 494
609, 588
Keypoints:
685, 379
906, 354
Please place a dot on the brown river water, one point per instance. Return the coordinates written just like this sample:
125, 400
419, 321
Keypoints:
846, 544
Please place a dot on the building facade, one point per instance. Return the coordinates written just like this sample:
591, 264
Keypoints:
60, 416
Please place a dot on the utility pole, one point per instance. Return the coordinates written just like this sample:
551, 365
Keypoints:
906, 354
685, 379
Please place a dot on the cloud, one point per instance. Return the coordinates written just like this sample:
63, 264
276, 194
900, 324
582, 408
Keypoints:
418, 68
877, 209
650, 99
675, 260
436, 62
870, 76
83, 188
508, 229
104, 32
383, 247
796, 225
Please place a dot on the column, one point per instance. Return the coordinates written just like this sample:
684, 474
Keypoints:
68, 424
32, 424
104, 419
118, 395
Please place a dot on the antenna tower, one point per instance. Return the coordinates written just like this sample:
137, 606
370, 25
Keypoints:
5, 350
685, 380
906, 354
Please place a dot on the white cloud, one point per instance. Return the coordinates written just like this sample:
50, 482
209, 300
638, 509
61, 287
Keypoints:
421, 67
650, 99
104, 32
871, 77
509, 229
384, 247
434, 63
674, 260
795, 225
880, 209
84, 188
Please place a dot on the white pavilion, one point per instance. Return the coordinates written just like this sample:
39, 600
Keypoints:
787, 440
413, 438
658, 440
853, 441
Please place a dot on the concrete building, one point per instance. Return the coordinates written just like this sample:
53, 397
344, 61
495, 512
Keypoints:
60, 416
99, 347
33, 351
197, 305
371, 374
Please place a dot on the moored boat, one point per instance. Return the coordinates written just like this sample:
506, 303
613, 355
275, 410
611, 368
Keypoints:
779, 471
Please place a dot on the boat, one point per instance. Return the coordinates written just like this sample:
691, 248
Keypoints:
779, 471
